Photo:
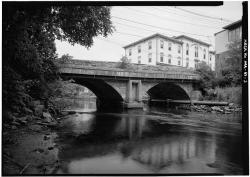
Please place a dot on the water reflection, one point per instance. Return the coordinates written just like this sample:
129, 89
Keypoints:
137, 142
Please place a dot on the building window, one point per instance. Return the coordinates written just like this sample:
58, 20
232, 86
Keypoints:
179, 49
169, 59
204, 54
187, 62
139, 60
150, 45
139, 49
196, 51
130, 52
187, 49
161, 57
169, 46
150, 57
162, 44
179, 61
196, 63
210, 57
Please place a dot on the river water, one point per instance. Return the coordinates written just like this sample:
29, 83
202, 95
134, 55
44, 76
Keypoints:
149, 140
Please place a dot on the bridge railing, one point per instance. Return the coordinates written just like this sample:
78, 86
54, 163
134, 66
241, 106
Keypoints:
116, 72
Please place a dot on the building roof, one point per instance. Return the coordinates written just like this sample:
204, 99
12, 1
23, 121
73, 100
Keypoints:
153, 36
219, 32
233, 25
193, 39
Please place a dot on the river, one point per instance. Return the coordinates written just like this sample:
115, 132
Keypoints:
149, 140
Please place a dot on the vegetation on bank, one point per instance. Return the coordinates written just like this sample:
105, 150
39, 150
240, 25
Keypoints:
226, 85
29, 52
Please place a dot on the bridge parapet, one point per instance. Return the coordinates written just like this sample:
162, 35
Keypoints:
129, 74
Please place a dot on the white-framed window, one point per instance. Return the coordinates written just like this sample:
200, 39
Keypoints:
179, 49
179, 61
196, 51
150, 45
169, 59
187, 62
150, 57
169, 46
130, 52
161, 57
196, 63
204, 54
161, 44
139, 59
187, 49
139, 49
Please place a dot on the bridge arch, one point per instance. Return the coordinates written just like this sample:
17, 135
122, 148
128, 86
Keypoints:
167, 90
107, 95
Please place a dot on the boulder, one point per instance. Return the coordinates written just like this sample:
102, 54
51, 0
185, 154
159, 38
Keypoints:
231, 105
38, 110
47, 117
13, 127
216, 108
35, 127
28, 111
16, 123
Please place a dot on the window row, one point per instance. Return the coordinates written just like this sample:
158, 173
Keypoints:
150, 47
196, 51
161, 58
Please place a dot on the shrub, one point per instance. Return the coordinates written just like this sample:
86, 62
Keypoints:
125, 63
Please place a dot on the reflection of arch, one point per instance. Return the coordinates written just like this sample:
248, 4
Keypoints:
167, 90
105, 93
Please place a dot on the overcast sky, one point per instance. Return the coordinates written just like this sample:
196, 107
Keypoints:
134, 22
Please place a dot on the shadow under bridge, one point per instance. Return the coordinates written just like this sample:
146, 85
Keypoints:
167, 91
107, 96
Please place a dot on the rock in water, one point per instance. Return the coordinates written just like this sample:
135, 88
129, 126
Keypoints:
47, 117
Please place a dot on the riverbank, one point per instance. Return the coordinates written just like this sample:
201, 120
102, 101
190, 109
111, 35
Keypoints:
29, 146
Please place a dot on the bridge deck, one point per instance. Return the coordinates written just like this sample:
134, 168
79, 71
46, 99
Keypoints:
108, 69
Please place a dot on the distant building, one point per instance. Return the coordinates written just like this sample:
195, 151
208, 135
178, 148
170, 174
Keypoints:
159, 49
230, 33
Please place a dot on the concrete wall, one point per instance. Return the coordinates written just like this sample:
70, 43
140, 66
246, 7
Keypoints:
221, 41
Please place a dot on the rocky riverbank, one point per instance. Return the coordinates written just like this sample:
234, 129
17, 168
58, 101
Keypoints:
230, 108
29, 142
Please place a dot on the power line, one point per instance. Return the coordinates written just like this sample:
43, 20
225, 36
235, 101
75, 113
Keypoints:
206, 16
166, 9
134, 27
157, 26
174, 20
142, 29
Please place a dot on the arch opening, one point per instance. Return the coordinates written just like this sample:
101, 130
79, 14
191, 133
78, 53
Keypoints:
165, 90
107, 96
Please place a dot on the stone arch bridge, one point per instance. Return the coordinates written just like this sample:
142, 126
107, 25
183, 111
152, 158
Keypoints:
128, 87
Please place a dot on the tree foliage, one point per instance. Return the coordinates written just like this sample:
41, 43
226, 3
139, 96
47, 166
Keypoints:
207, 76
124, 63
232, 73
29, 31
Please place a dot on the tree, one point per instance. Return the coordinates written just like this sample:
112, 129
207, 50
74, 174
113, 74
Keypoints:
232, 73
206, 76
64, 58
124, 63
29, 32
